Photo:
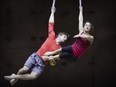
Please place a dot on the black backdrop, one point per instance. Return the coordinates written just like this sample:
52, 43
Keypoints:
23, 28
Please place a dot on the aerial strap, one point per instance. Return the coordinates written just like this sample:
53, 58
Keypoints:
80, 3
53, 4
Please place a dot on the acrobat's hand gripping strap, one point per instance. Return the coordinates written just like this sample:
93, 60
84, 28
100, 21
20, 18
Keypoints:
80, 5
53, 9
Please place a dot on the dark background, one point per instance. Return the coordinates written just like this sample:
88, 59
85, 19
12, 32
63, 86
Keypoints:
23, 28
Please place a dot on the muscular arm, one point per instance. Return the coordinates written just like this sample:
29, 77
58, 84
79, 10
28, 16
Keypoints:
46, 57
90, 38
80, 17
53, 52
51, 32
53, 9
51, 19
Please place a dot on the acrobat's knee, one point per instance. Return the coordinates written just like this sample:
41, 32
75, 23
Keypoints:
24, 69
34, 75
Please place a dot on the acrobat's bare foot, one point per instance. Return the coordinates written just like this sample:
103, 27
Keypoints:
9, 77
13, 81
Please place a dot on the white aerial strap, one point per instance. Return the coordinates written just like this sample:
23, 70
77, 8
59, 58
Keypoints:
53, 4
80, 3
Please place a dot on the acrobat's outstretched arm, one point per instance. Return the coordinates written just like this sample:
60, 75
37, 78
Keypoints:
80, 17
58, 51
51, 32
53, 9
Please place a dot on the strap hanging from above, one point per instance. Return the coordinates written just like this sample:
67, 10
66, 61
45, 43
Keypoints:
53, 4
80, 3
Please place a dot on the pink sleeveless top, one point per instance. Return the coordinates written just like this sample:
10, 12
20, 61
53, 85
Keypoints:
79, 46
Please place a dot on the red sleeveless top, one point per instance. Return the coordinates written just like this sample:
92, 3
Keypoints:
79, 46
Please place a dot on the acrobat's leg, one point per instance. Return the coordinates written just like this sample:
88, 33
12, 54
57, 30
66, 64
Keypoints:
22, 76
22, 70
28, 64
37, 70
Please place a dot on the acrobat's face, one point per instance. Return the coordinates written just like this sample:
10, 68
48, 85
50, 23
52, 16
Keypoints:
87, 27
62, 38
